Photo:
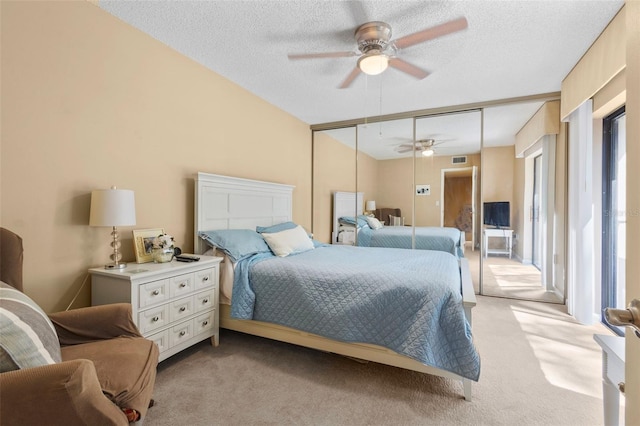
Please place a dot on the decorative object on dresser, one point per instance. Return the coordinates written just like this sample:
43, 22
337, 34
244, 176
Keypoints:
113, 207
163, 248
174, 304
143, 243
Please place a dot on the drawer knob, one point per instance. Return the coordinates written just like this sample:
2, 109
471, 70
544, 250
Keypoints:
182, 333
182, 309
182, 285
205, 301
155, 292
155, 319
205, 279
205, 323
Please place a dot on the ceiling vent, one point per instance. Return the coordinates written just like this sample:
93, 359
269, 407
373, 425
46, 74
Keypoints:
461, 159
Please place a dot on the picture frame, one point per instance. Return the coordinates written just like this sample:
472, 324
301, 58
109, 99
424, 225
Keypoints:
143, 243
423, 189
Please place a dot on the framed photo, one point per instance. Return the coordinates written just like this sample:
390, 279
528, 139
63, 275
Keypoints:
143, 243
423, 189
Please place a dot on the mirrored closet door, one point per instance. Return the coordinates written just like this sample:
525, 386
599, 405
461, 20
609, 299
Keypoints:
450, 169
334, 170
447, 175
522, 228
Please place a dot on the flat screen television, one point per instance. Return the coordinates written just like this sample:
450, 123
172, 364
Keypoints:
497, 214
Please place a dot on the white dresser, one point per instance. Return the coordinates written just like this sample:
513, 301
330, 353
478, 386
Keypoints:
174, 304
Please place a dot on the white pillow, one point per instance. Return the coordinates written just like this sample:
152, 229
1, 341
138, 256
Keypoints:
374, 223
290, 241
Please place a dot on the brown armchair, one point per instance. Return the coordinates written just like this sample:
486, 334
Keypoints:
383, 215
107, 372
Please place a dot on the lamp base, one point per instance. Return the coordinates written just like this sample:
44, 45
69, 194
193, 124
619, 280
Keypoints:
115, 266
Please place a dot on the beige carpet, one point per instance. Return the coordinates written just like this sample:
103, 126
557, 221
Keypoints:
539, 367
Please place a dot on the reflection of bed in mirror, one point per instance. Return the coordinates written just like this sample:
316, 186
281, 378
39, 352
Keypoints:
361, 231
224, 203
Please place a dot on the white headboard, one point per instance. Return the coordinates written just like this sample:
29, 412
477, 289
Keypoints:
224, 202
344, 204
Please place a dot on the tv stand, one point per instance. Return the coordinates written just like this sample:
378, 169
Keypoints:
506, 234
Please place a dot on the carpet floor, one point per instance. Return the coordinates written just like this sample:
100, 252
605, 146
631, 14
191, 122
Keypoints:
539, 367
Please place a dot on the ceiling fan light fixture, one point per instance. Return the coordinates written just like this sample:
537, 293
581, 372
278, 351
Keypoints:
373, 63
427, 152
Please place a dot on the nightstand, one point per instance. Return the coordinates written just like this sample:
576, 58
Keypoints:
174, 304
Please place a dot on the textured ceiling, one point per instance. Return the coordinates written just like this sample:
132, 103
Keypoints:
510, 49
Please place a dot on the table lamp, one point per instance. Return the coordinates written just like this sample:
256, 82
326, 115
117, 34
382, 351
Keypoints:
113, 207
371, 207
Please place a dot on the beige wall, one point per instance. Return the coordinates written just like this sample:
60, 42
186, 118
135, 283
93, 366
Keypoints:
498, 174
396, 180
89, 102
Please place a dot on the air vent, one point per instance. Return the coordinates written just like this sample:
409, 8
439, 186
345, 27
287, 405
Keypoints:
459, 160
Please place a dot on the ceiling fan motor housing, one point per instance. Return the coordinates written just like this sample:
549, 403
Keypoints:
373, 36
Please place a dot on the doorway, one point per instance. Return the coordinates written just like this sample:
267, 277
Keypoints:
458, 202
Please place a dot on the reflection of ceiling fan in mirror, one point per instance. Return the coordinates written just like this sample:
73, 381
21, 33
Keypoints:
424, 146
377, 51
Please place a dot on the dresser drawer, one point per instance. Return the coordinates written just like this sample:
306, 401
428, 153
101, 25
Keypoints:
161, 339
153, 318
205, 300
181, 285
153, 293
180, 309
204, 323
180, 333
206, 278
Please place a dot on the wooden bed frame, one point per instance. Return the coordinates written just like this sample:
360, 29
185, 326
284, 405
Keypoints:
223, 202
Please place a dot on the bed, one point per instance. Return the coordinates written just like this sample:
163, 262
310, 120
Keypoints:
225, 203
360, 230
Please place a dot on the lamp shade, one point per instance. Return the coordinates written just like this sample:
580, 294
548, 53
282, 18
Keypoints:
112, 207
371, 206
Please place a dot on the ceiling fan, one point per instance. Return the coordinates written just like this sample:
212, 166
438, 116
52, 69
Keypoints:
376, 50
425, 146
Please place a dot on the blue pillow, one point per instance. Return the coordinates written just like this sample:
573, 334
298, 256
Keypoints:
275, 228
236, 243
350, 220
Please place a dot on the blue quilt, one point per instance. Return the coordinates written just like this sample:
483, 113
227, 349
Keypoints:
406, 300
427, 238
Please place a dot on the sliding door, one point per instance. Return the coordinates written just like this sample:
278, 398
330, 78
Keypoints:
614, 213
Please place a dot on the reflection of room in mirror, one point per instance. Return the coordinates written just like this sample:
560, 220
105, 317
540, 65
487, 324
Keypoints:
384, 160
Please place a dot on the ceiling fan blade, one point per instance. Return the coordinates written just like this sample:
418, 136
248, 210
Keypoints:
431, 33
352, 76
410, 69
403, 150
321, 55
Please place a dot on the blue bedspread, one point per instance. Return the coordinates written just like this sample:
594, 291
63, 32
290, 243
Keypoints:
427, 238
407, 301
